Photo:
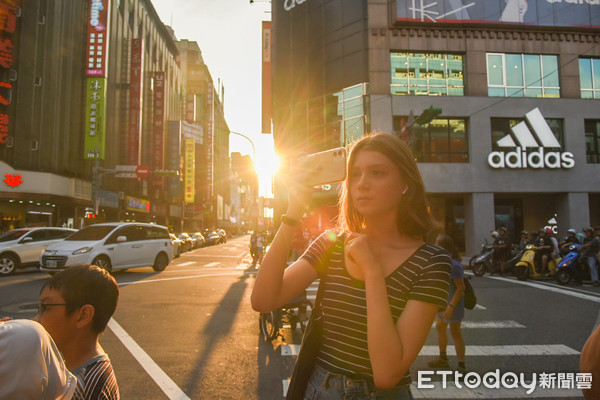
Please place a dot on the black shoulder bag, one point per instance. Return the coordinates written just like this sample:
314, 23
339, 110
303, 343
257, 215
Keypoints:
309, 348
470, 298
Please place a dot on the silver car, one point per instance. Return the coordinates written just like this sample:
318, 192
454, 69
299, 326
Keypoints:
21, 248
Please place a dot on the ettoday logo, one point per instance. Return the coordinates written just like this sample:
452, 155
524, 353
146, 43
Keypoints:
532, 149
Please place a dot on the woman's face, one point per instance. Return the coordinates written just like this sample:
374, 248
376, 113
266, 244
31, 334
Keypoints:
375, 184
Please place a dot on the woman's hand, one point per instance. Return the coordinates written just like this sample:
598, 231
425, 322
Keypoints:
448, 313
359, 256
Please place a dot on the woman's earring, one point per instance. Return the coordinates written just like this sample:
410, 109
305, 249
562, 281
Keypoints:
405, 190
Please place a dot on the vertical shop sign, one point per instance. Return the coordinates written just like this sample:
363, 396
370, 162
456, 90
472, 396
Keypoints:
97, 38
209, 141
174, 155
95, 117
158, 129
8, 26
189, 170
190, 108
135, 102
266, 77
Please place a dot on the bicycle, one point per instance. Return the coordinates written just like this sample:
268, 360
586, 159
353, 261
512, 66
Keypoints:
294, 313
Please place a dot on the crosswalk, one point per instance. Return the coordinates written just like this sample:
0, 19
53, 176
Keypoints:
451, 391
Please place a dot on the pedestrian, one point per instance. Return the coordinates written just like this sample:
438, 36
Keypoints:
383, 285
260, 247
554, 241
253, 248
524, 241
589, 250
75, 307
543, 251
454, 313
31, 367
502, 248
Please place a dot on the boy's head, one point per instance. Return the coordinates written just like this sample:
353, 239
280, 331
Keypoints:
83, 296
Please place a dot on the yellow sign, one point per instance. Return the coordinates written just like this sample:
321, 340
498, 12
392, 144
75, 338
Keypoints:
189, 169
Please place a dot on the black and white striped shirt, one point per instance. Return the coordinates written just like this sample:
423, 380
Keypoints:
96, 380
424, 276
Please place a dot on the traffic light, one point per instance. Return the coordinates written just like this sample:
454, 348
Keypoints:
165, 172
428, 115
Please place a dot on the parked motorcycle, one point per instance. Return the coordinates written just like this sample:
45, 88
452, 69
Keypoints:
482, 262
526, 268
571, 267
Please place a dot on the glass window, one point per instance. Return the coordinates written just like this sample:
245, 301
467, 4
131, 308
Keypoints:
440, 141
428, 74
523, 75
589, 78
592, 141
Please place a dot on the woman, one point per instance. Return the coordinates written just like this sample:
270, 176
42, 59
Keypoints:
383, 284
455, 311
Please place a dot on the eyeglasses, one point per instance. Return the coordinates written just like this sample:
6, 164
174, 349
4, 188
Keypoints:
42, 307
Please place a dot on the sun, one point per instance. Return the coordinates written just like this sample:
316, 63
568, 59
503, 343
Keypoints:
266, 164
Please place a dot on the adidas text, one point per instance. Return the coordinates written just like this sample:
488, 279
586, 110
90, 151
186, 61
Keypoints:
520, 158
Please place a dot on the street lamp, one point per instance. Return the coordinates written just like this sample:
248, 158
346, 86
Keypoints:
248, 139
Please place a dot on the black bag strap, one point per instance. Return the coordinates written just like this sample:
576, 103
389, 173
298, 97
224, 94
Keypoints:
321, 289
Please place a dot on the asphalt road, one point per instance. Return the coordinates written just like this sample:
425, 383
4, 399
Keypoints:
189, 332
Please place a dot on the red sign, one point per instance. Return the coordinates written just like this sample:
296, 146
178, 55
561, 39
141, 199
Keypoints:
142, 171
9, 11
97, 38
13, 180
135, 102
158, 134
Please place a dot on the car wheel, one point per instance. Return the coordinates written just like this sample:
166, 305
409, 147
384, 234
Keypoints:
8, 264
102, 262
160, 263
479, 269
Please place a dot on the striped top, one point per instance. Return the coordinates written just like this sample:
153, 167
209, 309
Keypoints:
96, 380
424, 276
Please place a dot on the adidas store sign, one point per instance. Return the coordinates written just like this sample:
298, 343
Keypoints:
533, 150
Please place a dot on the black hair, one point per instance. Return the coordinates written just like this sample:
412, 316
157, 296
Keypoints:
447, 243
87, 284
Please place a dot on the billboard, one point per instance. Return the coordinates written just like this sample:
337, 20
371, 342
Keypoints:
576, 13
158, 129
97, 38
135, 102
189, 172
95, 118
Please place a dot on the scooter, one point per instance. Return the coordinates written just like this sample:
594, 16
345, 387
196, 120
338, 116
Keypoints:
483, 261
526, 268
571, 267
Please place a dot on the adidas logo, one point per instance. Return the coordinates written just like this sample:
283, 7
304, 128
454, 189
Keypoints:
531, 149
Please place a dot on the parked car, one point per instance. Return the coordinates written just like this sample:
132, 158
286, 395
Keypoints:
199, 240
187, 242
20, 248
212, 237
176, 242
112, 246
223, 235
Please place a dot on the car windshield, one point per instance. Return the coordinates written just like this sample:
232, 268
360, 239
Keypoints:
13, 235
93, 232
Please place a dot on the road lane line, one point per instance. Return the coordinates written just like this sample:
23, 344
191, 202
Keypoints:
512, 350
489, 324
212, 264
184, 264
588, 297
177, 278
163, 381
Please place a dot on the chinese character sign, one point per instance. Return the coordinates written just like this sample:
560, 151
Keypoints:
13, 180
189, 170
95, 118
158, 129
97, 38
135, 102
8, 26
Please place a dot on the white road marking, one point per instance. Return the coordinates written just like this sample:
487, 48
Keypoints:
185, 264
595, 299
286, 386
177, 278
490, 324
212, 264
512, 350
214, 255
509, 350
482, 392
163, 381
479, 307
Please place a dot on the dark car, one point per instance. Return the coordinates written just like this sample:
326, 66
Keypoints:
187, 242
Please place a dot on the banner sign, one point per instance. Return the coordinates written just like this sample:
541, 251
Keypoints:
95, 118
158, 129
8, 26
266, 77
135, 102
189, 170
174, 155
209, 141
190, 108
576, 13
97, 38
135, 204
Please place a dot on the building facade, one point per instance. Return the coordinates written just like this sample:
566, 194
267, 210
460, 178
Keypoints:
516, 142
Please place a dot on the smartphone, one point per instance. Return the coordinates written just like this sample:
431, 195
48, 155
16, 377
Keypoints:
324, 167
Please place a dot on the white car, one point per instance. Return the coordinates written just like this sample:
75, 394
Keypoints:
112, 246
21, 248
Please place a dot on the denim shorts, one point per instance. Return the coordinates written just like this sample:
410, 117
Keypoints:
324, 385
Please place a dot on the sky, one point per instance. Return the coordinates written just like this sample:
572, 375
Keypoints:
228, 33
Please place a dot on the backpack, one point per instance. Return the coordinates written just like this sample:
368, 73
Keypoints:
470, 298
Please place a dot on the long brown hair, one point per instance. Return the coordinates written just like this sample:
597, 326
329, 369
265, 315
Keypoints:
413, 217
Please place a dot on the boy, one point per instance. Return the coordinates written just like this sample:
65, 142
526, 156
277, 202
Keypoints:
75, 307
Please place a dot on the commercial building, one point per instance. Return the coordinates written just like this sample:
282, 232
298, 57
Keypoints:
517, 142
